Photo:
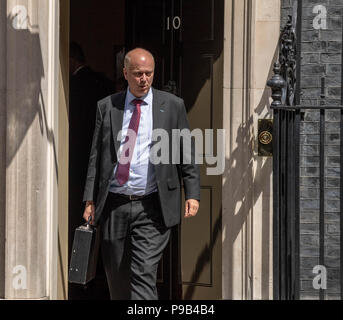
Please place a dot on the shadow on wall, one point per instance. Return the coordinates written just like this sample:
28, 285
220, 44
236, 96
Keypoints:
3, 19
252, 176
245, 192
26, 101
22, 103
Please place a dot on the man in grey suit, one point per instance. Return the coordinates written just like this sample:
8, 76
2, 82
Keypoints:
135, 200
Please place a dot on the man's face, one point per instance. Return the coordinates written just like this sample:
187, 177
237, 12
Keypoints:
140, 74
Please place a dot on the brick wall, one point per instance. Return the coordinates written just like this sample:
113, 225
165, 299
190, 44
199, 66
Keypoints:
321, 57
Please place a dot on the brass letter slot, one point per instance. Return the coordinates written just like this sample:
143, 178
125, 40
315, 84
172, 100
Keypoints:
265, 137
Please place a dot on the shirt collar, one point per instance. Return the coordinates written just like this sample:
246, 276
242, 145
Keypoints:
78, 69
146, 98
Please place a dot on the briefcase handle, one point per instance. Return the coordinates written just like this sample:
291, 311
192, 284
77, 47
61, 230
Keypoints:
89, 222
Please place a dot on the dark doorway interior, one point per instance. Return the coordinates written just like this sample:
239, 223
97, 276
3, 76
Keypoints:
105, 33
97, 33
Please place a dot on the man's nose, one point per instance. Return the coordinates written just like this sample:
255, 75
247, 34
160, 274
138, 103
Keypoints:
144, 77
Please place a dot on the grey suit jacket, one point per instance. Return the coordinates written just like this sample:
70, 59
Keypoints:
168, 113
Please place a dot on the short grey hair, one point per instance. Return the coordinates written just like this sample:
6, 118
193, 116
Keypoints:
127, 58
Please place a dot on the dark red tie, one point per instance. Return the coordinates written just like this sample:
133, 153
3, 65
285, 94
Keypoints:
129, 144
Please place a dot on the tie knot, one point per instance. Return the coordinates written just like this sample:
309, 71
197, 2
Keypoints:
137, 102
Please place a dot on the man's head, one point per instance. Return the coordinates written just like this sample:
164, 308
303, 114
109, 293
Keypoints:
76, 57
139, 67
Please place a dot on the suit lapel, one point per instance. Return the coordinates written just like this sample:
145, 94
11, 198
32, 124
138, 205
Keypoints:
158, 109
117, 114
158, 113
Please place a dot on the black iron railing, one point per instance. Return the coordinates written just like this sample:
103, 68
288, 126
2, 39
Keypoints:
288, 118
286, 142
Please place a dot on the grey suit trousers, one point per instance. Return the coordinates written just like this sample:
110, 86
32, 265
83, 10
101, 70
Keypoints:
133, 239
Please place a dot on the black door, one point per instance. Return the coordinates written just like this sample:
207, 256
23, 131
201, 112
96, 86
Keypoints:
186, 39
146, 27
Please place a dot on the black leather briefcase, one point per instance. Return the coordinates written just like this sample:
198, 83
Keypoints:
84, 254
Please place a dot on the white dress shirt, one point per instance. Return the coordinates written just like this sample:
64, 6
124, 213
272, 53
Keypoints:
142, 179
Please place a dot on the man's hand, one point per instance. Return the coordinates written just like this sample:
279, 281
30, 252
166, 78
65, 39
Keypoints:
89, 211
191, 208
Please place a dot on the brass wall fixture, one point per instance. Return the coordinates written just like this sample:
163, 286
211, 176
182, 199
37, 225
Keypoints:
265, 137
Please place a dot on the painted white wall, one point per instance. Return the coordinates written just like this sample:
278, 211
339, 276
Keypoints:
250, 45
31, 155
3, 20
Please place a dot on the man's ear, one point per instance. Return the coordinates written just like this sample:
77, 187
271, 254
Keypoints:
125, 73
